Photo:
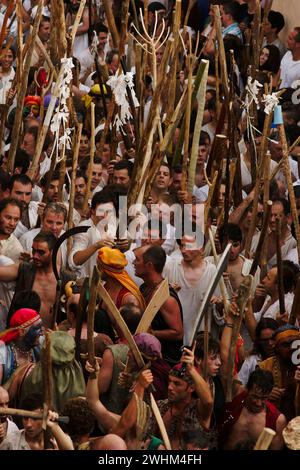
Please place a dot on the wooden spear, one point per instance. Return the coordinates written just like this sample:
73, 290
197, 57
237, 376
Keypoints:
222, 56
187, 124
111, 23
92, 154
30, 414
262, 238
22, 91
279, 266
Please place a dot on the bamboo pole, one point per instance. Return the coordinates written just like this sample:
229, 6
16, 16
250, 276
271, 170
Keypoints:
222, 286
262, 238
91, 317
265, 439
111, 23
22, 91
187, 126
77, 21
8, 12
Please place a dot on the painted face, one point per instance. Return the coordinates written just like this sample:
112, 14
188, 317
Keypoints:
41, 254
9, 219
32, 337
255, 402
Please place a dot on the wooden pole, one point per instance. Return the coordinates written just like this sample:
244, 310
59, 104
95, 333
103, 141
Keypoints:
187, 126
279, 266
22, 91
91, 316
265, 439
222, 56
295, 313
73, 176
92, 154
262, 238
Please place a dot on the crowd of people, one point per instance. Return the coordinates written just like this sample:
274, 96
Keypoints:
205, 162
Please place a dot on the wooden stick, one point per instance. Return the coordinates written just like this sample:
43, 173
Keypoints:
265, 439
73, 176
22, 91
222, 56
198, 126
222, 286
262, 237
77, 21
187, 126
279, 266
82, 306
42, 135
160, 423
47, 57
210, 196
8, 12
111, 23
288, 177
62, 30
91, 163
47, 382
190, 6
91, 317
295, 313
256, 34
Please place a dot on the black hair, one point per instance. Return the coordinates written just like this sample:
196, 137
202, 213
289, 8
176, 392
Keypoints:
276, 19
4, 179
124, 165
46, 237
230, 232
81, 174
263, 379
197, 437
290, 273
10, 48
81, 417
131, 314
263, 324
272, 64
9, 201
157, 256
204, 136
100, 28
32, 402
55, 176
23, 179
213, 346
232, 9
22, 160
26, 299
102, 197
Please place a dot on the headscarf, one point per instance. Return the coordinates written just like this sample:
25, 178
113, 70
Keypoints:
285, 331
30, 100
112, 262
180, 371
67, 376
148, 344
20, 320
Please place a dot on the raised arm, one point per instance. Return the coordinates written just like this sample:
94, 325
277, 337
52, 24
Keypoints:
9, 273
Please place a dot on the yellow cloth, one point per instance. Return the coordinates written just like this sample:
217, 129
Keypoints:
286, 334
88, 98
112, 262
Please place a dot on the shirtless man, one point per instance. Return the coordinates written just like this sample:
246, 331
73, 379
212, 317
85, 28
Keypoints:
37, 275
238, 266
250, 412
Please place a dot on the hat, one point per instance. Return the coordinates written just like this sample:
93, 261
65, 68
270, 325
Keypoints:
148, 344
180, 371
111, 259
30, 100
285, 331
20, 320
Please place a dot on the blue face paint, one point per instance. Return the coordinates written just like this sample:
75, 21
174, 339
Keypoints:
34, 332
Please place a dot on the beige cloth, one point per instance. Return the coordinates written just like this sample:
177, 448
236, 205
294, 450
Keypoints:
11, 248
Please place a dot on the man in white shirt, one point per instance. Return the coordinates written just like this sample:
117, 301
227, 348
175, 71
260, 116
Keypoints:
83, 256
290, 64
10, 214
53, 220
20, 187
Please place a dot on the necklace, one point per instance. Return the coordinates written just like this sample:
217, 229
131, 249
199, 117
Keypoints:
25, 354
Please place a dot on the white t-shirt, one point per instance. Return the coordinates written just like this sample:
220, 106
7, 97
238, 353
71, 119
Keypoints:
289, 71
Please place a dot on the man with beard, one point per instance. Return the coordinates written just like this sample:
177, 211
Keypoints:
80, 192
246, 416
10, 214
19, 345
52, 193
20, 187
36, 275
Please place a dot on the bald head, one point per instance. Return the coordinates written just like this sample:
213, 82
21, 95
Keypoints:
4, 398
109, 442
